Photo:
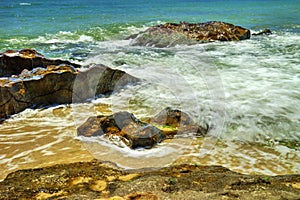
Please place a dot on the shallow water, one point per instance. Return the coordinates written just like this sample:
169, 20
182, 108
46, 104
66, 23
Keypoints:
247, 91
39, 138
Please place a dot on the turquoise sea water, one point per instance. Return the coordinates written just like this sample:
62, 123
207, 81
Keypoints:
248, 91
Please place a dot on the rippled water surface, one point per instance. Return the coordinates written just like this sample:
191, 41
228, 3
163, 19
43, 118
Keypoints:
247, 91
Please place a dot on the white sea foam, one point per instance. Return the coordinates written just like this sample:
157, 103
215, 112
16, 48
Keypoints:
159, 151
63, 37
259, 79
25, 4
160, 155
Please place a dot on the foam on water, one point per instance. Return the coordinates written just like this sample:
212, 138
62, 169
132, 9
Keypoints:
260, 79
259, 83
25, 4
75, 45
63, 37
161, 155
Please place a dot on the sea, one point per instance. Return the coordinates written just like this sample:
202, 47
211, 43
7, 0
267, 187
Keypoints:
248, 92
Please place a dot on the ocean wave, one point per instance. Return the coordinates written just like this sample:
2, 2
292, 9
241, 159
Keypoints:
25, 4
71, 44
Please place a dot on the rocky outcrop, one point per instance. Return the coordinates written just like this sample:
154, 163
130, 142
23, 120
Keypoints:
39, 87
47, 84
96, 180
14, 62
170, 34
124, 128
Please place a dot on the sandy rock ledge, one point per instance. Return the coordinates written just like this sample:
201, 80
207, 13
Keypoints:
97, 180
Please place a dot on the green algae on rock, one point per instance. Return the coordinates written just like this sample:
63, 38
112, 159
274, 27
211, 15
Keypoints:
175, 122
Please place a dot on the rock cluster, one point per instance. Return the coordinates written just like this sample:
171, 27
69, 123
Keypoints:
126, 128
30, 80
188, 33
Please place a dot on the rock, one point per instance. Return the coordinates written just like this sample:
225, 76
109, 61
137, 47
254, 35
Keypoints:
170, 34
126, 128
36, 88
53, 84
92, 180
264, 32
99, 80
175, 122
14, 62
122, 126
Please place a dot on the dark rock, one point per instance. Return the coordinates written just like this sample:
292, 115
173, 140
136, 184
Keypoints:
175, 122
55, 84
264, 32
99, 80
123, 126
170, 34
14, 62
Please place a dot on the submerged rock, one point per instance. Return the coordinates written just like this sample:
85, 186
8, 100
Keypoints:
49, 84
126, 128
264, 32
170, 34
97, 180
122, 126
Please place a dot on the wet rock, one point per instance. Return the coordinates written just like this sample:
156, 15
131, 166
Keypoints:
177, 123
124, 127
14, 62
97, 180
171, 34
36, 88
264, 32
51, 84
98, 80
